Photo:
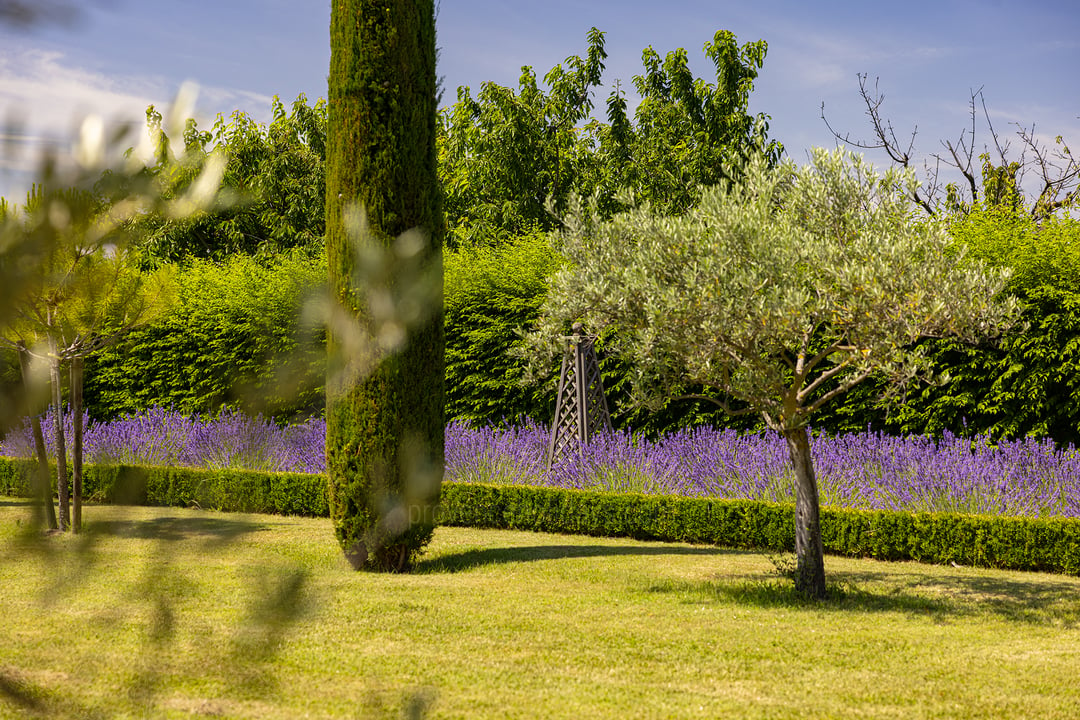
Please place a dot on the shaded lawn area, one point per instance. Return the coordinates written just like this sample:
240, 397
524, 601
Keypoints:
165, 612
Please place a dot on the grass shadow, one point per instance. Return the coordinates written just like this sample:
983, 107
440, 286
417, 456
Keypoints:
1038, 602
780, 592
213, 531
469, 559
1033, 599
34, 701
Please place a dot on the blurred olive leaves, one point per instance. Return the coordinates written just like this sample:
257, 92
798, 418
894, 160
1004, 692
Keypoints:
67, 281
27, 14
63, 265
395, 287
84, 212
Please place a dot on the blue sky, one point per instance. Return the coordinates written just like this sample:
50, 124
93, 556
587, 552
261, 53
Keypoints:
123, 55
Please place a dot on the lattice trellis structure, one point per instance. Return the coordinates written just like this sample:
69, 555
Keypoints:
581, 410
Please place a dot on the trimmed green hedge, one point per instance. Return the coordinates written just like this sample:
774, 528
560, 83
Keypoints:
223, 489
1044, 544
1015, 543
733, 523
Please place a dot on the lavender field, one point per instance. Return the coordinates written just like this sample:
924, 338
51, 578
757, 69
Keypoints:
1025, 477
165, 437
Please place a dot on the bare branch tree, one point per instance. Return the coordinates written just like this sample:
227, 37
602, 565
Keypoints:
885, 139
963, 152
1059, 172
984, 179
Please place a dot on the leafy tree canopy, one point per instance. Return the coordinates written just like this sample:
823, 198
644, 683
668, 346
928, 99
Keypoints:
273, 177
1042, 253
505, 153
502, 154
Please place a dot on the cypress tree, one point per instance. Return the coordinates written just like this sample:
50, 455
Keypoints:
384, 440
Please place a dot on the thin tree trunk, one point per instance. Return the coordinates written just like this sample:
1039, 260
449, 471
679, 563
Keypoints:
45, 486
76, 442
809, 553
61, 447
42, 483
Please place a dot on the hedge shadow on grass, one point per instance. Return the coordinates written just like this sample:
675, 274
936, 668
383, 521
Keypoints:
1032, 600
470, 559
779, 592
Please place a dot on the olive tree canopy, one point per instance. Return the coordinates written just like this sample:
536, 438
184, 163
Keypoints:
779, 293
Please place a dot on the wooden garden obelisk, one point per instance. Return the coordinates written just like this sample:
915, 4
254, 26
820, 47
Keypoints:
581, 409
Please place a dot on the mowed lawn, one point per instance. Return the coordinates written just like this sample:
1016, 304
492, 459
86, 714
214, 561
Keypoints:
183, 613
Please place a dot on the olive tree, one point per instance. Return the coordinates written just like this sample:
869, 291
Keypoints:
780, 293
86, 293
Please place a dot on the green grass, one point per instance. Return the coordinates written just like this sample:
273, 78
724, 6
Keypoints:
181, 613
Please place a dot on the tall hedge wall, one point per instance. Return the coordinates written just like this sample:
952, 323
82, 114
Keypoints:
234, 320
1024, 383
235, 336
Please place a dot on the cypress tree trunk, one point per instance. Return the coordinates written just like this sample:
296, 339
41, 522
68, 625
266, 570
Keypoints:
809, 553
385, 431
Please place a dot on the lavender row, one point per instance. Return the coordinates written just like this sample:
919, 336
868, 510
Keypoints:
1028, 477
165, 437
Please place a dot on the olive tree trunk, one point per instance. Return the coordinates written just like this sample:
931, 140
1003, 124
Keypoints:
809, 552
384, 442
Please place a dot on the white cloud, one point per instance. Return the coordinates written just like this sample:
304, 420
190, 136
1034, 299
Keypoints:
42, 100
46, 94
828, 61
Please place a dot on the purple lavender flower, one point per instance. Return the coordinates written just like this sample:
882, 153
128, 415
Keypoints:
165, 437
495, 455
866, 470
1027, 477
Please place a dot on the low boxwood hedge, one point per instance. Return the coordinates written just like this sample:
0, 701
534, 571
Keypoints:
217, 489
1017, 543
